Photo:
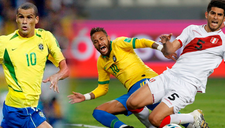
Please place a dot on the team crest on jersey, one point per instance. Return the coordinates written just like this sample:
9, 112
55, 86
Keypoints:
214, 40
152, 80
41, 46
114, 58
41, 114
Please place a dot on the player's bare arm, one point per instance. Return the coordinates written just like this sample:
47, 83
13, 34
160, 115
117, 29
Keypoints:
169, 48
60, 75
78, 97
160, 48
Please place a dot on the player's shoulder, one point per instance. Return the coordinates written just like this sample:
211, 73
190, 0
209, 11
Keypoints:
222, 35
42, 32
8, 37
119, 39
192, 26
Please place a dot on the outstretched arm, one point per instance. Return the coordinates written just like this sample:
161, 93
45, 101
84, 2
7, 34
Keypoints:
161, 49
61, 74
169, 48
143, 43
78, 97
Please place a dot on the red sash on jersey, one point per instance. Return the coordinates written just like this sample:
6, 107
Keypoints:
198, 44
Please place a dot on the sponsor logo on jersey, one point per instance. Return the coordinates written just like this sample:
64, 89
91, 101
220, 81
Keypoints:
214, 40
41, 46
114, 58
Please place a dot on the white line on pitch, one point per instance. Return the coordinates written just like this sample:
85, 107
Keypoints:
84, 125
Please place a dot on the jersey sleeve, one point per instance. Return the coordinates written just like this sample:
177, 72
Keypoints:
55, 54
128, 43
103, 81
143, 43
183, 37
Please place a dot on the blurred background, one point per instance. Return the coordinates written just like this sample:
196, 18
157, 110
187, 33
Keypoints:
71, 21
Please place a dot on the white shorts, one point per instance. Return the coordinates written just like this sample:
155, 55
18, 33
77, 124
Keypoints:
172, 91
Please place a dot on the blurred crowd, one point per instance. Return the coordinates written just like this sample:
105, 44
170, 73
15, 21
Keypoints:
55, 15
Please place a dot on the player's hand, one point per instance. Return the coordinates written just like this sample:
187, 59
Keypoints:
76, 98
165, 37
54, 82
172, 56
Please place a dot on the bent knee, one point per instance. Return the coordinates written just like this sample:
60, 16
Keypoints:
155, 120
100, 108
131, 104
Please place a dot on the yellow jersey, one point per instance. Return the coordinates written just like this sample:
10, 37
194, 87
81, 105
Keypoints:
123, 63
24, 61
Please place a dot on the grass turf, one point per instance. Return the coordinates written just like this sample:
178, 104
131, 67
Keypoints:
212, 103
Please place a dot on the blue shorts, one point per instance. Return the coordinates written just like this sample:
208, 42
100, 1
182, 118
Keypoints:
123, 99
29, 117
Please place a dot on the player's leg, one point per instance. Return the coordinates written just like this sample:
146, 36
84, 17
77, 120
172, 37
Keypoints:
4, 124
142, 113
159, 113
36, 119
29, 117
106, 112
45, 124
143, 117
140, 98
179, 94
194, 119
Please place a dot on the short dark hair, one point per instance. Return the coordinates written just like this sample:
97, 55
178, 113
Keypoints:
26, 6
98, 29
216, 3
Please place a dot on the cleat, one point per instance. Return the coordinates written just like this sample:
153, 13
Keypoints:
199, 119
204, 124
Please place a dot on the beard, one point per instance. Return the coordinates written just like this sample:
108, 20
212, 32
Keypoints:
108, 47
214, 29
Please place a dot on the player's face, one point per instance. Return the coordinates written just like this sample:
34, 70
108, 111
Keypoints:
214, 18
101, 43
26, 21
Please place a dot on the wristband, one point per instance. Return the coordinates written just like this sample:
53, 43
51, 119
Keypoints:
87, 96
160, 47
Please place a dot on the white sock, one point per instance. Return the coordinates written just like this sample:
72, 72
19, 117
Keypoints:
122, 126
143, 117
181, 118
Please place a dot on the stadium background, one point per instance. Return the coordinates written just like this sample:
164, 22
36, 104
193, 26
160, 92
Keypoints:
71, 20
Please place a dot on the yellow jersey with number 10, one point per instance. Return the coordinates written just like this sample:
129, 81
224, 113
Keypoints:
123, 63
24, 61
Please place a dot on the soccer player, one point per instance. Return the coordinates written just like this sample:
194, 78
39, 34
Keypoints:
203, 51
23, 55
119, 59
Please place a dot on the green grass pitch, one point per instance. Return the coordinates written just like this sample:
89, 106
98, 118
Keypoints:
212, 103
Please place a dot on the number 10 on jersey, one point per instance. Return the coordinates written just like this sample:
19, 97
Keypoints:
31, 59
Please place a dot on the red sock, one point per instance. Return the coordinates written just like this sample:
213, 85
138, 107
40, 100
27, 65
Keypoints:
136, 110
165, 121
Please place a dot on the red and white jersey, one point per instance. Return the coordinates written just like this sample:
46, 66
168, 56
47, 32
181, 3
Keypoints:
202, 52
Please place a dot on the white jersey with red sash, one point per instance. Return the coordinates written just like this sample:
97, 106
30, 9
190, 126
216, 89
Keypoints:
202, 53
